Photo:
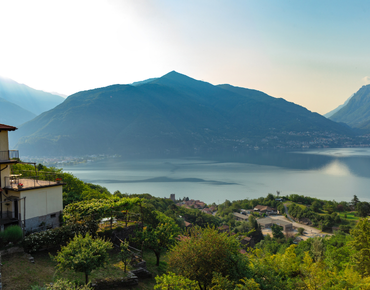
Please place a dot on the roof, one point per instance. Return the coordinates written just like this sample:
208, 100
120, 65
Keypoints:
266, 220
7, 128
241, 216
282, 223
224, 227
263, 207
269, 220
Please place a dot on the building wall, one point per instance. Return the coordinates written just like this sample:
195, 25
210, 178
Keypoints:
4, 172
5, 208
4, 141
42, 201
47, 220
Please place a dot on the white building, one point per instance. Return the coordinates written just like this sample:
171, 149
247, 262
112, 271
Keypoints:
26, 201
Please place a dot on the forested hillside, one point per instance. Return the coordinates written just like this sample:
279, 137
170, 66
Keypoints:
205, 256
173, 115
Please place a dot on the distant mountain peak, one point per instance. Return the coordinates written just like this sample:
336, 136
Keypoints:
356, 113
169, 116
174, 75
31, 101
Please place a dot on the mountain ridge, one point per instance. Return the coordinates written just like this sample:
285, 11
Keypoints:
357, 112
173, 114
35, 101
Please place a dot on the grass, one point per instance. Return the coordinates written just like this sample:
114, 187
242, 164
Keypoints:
287, 203
302, 206
18, 273
350, 216
151, 260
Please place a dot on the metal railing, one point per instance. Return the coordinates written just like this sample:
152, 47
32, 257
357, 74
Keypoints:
17, 182
9, 154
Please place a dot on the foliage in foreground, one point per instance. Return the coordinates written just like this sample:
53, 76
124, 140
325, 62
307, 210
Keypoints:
337, 262
62, 284
83, 254
98, 208
160, 237
12, 234
203, 252
58, 236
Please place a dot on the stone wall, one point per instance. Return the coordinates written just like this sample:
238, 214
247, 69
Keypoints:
45, 222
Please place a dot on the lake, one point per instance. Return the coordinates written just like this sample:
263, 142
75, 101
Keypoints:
331, 174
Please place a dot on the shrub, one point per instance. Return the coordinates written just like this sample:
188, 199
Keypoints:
62, 284
301, 231
13, 234
37, 287
58, 236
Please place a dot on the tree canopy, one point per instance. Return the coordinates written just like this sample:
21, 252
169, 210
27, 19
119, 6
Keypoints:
203, 252
83, 254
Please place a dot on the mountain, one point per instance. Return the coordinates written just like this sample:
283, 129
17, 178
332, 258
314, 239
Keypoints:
143, 82
27, 98
13, 114
332, 112
356, 113
174, 114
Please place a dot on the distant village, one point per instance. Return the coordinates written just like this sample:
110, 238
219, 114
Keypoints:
266, 217
61, 161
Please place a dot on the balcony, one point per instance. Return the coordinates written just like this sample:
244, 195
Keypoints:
17, 182
9, 156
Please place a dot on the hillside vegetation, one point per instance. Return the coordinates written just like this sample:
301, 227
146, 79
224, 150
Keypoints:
202, 257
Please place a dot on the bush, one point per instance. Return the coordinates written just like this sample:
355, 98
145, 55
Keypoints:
301, 231
67, 285
58, 236
37, 287
12, 234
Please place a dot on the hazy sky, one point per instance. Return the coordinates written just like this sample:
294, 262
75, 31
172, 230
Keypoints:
313, 53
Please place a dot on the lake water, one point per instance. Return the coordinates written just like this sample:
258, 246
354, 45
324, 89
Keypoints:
331, 174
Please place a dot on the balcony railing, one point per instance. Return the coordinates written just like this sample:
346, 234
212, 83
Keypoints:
17, 182
9, 154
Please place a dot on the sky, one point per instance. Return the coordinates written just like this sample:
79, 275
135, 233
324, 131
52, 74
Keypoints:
314, 53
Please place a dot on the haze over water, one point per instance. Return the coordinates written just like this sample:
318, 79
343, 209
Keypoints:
323, 173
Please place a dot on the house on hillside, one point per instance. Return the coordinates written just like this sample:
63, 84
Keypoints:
223, 229
247, 242
265, 209
268, 222
240, 217
27, 201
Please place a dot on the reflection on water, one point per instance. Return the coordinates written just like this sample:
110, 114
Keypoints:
336, 168
328, 174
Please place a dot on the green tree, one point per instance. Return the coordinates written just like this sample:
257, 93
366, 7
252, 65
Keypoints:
355, 200
83, 254
363, 209
160, 237
318, 248
300, 231
277, 232
361, 246
125, 253
315, 206
204, 252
